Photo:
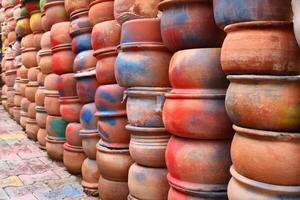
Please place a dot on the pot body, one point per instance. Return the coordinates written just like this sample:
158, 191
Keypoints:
106, 65
101, 11
35, 22
40, 96
10, 78
51, 82
32, 73
71, 5
62, 59
296, 19
37, 37
23, 27
55, 149
84, 60
32, 129
112, 190
52, 104
88, 120
59, 33
29, 59
30, 91
22, 72
90, 174
46, 41
86, 86
181, 195
67, 85
27, 41
17, 99
25, 104
73, 159
41, 137
54, 13
46, 62
90, 138
81, 42
31, 110
70, 109
56, 127
41, 117
73, 134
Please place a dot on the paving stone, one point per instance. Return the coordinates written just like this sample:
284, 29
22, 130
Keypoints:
63, 181
4, 170
37, 165
3, 195
59, 193
28, 196
10, 181
30, 179
14, 192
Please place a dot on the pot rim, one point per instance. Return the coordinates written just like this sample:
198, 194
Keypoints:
10, 72
45, 52
85, 73
142, 45
103, 52
264, 186
69, 100
31, 121
107, 150
146, 91
96, 2
145, 129
32, 84
257, 24
31, 49
24, 114
55, 140
24, 80
263, 78
196, 94
103, 114
40, 109
80, 31
61, 47
78, 12
162, 5
53, 3
18, 93
88, 133
72, 148
51, 93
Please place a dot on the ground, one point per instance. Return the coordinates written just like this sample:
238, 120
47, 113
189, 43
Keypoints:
26, 173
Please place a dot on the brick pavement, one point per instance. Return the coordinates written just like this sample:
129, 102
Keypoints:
26, 173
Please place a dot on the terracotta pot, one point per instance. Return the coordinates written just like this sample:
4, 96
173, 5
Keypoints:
51, 102
70, 108
25, 104
84, 60
23, 27
10, 77
183, 195
142, 65
242, 187
81, 42
71, 5
142, 188
100, 11
80, 22
41, 78
45, 61
29, 57
202, 114
72, 134
17, 99
106, 35
296, 18
144, 106
32, 5
17, 114
90, 139
87, 118
37, 37
232, 11
31, 129
56, 127
31, 110
113, 164
10, 95
32, 73
197, 69
112, 190
125, 10
106, 65
27, 41
59, 34
12, 37
35, 22
184, 15
280, 93
30, 90
54, 13
90, 176
22, 72
67, 85
86, 86
51, 82
46, 41
23, 119
41, 137
62, 59
41, 116
23, 86
259, 144
73, 159
150, 143
40, 96
9, 64
254, 60
55, 148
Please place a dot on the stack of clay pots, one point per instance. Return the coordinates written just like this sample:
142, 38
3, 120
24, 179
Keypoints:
261, 56
198, 153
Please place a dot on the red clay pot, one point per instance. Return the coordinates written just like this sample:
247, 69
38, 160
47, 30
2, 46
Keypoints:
180, 15
41, 78
37, 37
59, 34
143, 65
40, 96
90, 139
86, 86
46, 41
106, 65
73, 158
23, 86
113, 164
106, 35
100, 11
81, 42
35, 21
153, 185
272, 105
87, 118
54, 13
67, 85
62, 59
70, 108
80, 22
32, 73
202, 114
71, 5
45, 61
72, 134
197, 69
184, 195
90, 176
56, 127
23, 119
29, 57
17, 99
32, 129
23, 27
55, 148
31, 110
32, 5
84, 61
254, 60
150, 143
24, 105
10, 64
41, 137
10, 77
51, 82
41, 116
211, 157
30, 90
112, 190
27, 41
52, 104
22, 72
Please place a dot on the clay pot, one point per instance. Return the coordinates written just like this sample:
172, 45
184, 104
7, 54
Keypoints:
182, 195
17, 114
106, 65
232, 11
23, 27
17, 99
86, 86
70, 108
242, 187
80, 22
90, 139
62, 59
35, 22
29, 59
100, 11
46, 41
272, 99
12, 37
56, 127
10, 95
125, 10
54, 13
41, 137
45, 61
30, 90
197, 69
106, 35
27, 41
32, 129
51, 82
10, 63
87, 118
40, 96
153, 185
84, 60
23, 119
149, 143
259, 144
59, 34
112, 190
31, 110
241, 55
32, 5
22, 72
144, 106
37, 37
180, 15
10, 77
142, 65
32, 73
41, 116
55, 148
73, 159
296, 18
25, 104
67, 85
202, 114
113, 164
41, 78
71, 5
52, 104
90, 176
23, 86
81, 42
72, 134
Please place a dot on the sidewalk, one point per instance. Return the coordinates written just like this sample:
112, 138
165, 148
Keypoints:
26, 173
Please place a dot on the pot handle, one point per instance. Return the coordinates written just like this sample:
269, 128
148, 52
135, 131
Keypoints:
160, 100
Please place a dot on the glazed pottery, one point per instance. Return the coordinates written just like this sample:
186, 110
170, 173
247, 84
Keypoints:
73, 158
41, 116
72, 134
30, 90
264, 102
54, 13
71, 5
106, 65
40, 96
51, 82
100, 11
67, 85
31, 110
196, 18
59, 33
241, 55
35, 22
150, 143
90, 139
55, 148
52, 104
90, 176
112, 190
32, 73
62, 59
184, 195
153, 185
56, 127
46, 41
87, 118
32, 129
41, 137
84, 60
70, 108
